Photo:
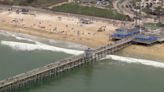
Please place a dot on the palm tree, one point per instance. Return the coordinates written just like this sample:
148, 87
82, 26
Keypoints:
138, 1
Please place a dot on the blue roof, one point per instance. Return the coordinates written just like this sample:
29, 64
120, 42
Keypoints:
146, 37
141, 38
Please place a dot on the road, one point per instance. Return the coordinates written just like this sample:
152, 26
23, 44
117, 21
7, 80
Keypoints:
120, 6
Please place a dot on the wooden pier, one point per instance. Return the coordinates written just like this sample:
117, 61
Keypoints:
34, 76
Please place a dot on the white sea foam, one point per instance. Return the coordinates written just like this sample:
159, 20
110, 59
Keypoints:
33, 39
17, 36
137, 61
38, 46
24, 39
5, 33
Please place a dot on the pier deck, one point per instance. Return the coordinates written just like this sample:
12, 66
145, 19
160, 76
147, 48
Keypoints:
51, 70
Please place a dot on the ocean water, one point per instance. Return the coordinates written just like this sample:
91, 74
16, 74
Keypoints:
122, 74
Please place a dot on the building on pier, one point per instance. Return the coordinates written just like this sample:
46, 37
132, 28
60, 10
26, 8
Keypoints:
88, 52
125, 33
140, 38
145, 39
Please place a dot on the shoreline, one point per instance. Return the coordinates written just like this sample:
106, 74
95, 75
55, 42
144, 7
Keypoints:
34, 32
134, 51
154, 52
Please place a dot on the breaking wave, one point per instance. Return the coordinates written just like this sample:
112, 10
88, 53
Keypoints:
33, 39
17, 36
38, 46
137, 61
24, 39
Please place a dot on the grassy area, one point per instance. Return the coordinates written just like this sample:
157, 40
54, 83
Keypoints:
154, 26
91, 11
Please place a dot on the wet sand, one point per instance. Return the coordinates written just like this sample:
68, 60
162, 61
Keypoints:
155, 52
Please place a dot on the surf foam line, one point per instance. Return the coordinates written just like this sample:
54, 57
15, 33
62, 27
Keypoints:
17, 36
41, 46
137, 61
38, 46
34, 39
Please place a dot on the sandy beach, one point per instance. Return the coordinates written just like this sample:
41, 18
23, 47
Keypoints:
71, 29
58, 27
154, 52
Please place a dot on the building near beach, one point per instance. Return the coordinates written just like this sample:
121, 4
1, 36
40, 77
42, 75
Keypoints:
152, 3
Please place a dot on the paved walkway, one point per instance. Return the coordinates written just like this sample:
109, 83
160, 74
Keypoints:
54, 5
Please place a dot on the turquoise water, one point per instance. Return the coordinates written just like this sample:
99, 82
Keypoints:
104, 76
